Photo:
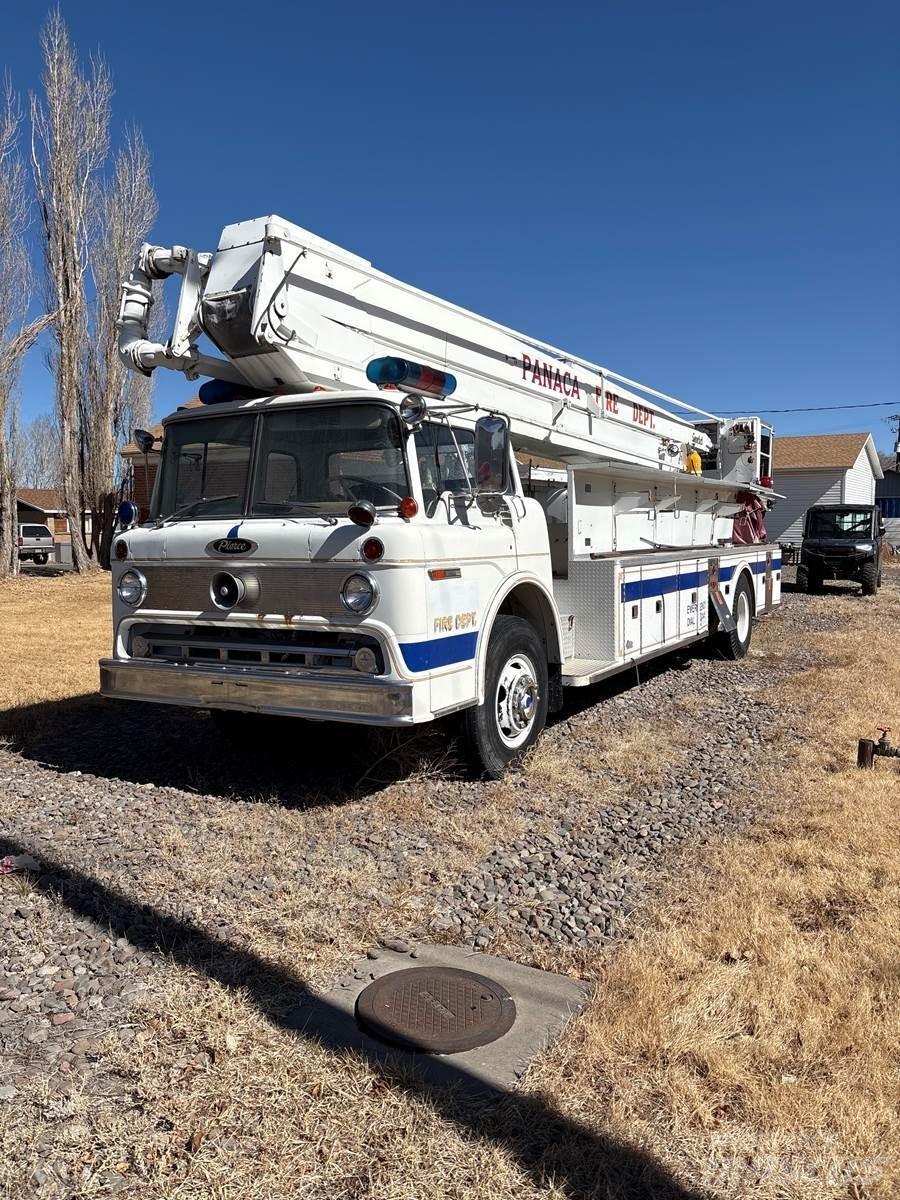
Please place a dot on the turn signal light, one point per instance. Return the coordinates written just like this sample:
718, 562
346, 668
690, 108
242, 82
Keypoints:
407, 508
373, 549
121, 548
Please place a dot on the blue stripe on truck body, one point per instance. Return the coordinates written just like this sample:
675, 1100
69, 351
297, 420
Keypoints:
439, 652
645, 589
461, 647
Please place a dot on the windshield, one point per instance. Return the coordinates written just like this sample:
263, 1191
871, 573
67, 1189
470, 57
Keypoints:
307, 460
840, 523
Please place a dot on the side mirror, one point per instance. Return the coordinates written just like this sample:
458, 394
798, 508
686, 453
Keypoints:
491, 456
144, 440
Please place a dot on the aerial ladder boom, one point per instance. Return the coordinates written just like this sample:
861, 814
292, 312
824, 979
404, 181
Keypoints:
290, 311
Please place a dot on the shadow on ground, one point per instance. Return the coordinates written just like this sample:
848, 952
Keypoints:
298, 763
550, 1147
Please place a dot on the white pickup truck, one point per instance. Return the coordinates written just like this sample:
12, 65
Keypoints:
35, 543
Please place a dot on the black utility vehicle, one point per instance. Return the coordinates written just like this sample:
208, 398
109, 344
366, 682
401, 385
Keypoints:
841, 541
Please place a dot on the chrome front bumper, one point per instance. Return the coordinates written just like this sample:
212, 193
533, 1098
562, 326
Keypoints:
325, 698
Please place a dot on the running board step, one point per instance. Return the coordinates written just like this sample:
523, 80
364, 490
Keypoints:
579, 672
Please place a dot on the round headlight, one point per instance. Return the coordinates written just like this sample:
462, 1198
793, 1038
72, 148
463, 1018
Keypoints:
132, 588
359, 593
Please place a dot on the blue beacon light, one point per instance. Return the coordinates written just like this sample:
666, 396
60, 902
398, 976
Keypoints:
409, 376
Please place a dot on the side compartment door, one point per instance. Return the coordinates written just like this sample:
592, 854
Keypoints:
655, 582
691, 583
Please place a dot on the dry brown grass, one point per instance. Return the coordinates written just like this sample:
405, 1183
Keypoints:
52, 632
748, 1038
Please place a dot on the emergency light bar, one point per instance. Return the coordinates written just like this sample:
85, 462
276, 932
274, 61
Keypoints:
409, 376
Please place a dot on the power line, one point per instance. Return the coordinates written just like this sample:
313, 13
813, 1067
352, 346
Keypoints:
813, 408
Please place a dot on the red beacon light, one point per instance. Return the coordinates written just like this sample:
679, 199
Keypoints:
409, 376
766, 481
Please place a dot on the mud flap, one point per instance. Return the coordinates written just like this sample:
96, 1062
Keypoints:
726, 620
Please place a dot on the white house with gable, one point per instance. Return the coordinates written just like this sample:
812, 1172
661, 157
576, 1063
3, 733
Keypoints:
829, 468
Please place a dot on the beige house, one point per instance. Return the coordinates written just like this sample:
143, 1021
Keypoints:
828, 468
43, 506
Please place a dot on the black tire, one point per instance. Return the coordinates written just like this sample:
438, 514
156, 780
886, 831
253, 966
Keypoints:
736, 643
40, 559
802, 579
869, 578
499, 731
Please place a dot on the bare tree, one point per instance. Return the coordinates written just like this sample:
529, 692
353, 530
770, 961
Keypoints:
17, 334
126, 212
40, 454
70, 142
15, 439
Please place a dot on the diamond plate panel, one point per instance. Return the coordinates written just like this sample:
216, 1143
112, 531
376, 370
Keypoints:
593, 599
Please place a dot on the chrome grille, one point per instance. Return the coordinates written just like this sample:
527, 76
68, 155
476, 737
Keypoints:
307, 591
297, 649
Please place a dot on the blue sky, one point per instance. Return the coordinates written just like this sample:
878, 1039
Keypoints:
701, 196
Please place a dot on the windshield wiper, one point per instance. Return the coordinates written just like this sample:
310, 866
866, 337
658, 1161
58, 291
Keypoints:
286, 507
188, 508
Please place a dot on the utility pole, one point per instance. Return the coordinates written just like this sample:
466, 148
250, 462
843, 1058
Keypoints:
895, 425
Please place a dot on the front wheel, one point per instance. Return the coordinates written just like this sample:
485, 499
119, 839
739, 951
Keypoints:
499, 731
736, 643
869, 579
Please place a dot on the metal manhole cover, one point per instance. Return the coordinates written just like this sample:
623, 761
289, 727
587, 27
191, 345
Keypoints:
440, 1010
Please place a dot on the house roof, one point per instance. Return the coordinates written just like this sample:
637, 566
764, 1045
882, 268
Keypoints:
47, 500
524, 459
824, 451
157, 431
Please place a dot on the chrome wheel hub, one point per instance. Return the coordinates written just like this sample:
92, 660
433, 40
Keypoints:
517, 700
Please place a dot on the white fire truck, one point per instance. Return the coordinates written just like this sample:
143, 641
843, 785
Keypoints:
389, 509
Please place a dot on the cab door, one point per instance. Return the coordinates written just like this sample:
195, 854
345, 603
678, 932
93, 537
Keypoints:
469, 547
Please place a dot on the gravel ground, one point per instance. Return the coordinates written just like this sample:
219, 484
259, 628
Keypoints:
577, 883
147, 833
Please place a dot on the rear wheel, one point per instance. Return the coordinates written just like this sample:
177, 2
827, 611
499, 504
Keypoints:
869, 578
736, 643
499, 731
